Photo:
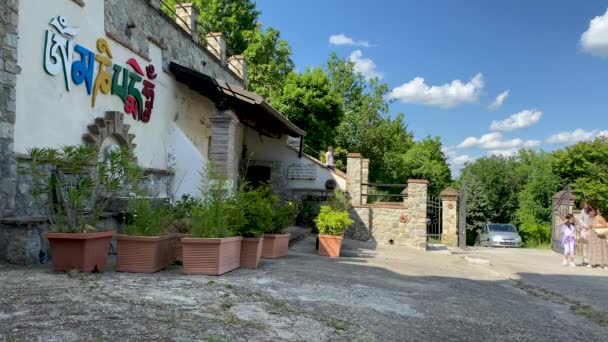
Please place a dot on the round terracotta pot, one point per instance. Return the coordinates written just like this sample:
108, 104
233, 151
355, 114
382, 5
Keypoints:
275, 246
86, 252
251, 252
213, 256
330, 245
145, 254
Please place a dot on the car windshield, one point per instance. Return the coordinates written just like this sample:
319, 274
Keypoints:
502, 228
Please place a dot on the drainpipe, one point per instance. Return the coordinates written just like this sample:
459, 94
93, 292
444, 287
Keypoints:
301, 146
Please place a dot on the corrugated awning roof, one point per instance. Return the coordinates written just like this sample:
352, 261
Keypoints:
250, 108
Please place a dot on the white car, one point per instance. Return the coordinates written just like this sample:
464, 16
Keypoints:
499, 235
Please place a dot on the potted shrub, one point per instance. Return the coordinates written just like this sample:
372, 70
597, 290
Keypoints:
276, 242
145, 246
73, 185
258, 207
332, 221
331, 224
214, 247
182, 212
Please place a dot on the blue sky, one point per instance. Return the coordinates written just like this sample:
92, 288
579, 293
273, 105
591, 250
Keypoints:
447, 61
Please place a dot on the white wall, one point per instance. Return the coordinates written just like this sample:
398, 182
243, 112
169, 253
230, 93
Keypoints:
48, 115
268, 149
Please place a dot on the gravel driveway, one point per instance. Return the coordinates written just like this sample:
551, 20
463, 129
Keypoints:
417, 296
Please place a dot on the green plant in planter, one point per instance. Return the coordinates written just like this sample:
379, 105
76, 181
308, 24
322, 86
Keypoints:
258, 207
332, 222
184, 206
285, 214
147, 219
339, 201
218, 214
78, 183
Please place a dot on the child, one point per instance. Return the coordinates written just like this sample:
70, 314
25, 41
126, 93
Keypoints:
329, 158
569, 240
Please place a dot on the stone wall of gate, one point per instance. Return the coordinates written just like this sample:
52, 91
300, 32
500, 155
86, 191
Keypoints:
399, 223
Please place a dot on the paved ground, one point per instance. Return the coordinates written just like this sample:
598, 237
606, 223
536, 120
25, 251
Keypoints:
381, 295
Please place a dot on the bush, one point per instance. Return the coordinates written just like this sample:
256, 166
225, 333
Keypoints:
332, 222
284, 216
309, 210
339, 201
147, 220
258, 207
219, 214
184, 206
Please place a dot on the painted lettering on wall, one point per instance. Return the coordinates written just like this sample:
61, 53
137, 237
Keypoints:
130, 83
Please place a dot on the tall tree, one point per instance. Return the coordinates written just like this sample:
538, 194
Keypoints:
308, 101
584, 166
269, 61
231, 17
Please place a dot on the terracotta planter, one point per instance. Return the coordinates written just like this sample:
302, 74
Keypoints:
275, 246
178, 246
251, 252
86, 252
329, 245
145, 254
211, 256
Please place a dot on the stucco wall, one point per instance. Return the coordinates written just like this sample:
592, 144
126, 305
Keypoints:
276, 150
177, 136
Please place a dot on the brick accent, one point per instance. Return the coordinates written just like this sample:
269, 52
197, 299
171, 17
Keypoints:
223, 134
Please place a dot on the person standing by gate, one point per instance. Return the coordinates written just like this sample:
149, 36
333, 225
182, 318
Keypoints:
568, 240
598, 248
585, 222
329, 158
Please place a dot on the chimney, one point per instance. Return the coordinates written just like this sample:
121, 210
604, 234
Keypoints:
186, 18
216, 44
238, 65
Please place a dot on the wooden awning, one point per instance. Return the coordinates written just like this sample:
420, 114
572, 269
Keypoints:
250, 108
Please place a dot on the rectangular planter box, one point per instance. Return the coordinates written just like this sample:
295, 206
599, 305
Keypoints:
86, 252
145, 254
330, 245
211, 256
275, 246
251, 252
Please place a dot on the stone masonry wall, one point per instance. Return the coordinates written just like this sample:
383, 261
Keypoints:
9, 20
152, 25
416, 209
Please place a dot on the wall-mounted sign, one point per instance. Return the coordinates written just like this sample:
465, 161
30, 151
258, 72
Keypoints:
59, 54
302, 171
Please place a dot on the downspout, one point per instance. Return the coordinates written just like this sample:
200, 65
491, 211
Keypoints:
301, 147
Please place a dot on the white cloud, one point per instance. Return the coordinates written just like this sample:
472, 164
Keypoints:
363, 65
523, 119
575, 136
493, 141
595, 40
509, 152
455, 161
444, 96
500, 99
342, 39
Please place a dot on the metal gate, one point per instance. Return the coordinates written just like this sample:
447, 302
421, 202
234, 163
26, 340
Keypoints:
562, 205
433, 219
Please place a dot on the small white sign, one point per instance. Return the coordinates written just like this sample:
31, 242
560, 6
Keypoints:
302, 171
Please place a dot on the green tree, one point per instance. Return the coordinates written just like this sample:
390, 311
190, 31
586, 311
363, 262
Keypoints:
535, 199
307, 100
584, 166
269, 61
425, 160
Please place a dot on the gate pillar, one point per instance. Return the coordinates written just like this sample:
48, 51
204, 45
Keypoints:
416, 209
449, 204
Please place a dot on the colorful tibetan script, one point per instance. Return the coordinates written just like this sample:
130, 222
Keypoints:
133, 84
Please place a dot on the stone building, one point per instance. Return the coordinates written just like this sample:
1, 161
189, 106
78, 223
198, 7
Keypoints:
115, 72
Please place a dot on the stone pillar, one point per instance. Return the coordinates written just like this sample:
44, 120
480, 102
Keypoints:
354, 163
416, 210
216, 44
364, 179
238, 65
223, 135
187, 18
9, 20
449, 217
